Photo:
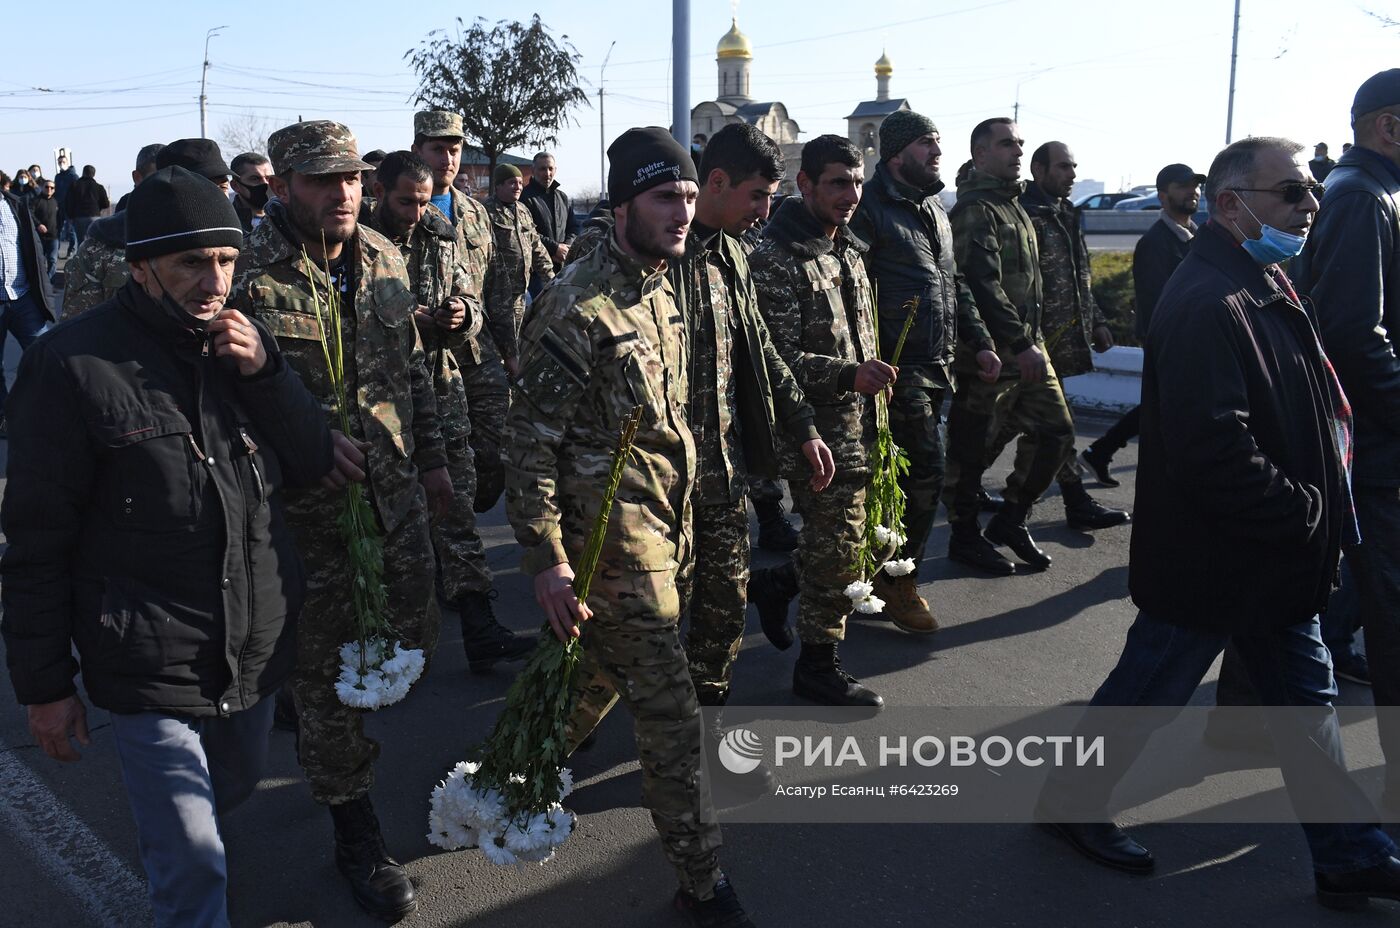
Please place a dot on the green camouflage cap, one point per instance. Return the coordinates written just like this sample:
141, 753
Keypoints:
316, 147
438, 124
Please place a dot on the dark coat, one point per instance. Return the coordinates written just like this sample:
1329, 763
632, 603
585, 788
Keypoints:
85, 198
1237, 519
1350, 268
31, 254
1155, 259
554, 216
1070, 313
144, 515
45, 210
911, 257
62, 181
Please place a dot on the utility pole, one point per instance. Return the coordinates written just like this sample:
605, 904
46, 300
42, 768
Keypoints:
680, 72
602, 129
1234, 56
203, 77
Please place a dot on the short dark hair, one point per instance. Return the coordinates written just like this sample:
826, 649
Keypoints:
89, 171
398, 164
1234, 166
983, 129
249, 159
824, 150
146, 159
543, 154
1041, 155
742, 151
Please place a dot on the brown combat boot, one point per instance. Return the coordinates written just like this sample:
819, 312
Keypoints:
903, 605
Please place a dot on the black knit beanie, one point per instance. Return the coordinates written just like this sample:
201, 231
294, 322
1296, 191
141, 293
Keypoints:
176, 210
640, 159
900, 128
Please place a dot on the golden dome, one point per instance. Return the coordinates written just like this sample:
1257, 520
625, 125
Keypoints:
884, 67
734, 44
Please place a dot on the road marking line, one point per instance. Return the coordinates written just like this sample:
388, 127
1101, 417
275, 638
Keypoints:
95, 878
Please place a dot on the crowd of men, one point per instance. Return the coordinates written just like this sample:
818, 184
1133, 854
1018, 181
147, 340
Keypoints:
176, 467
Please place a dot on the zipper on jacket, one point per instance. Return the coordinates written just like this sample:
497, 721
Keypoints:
252, 447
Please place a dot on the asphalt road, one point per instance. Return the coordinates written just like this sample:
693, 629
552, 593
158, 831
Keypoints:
1028, 640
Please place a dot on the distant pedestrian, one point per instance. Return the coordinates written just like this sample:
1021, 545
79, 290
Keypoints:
85, 201
1321, 165
46, 223
553, 213
25, 303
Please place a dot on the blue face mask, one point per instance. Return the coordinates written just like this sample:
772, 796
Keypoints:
1273, 245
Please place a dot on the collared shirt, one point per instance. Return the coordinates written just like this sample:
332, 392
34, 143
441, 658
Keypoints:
1183, 232
13, 281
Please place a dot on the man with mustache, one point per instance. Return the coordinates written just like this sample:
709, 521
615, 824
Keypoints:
311, 237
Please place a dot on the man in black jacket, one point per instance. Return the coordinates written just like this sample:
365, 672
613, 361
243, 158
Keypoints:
25, 302
1351, 270
1155, 258
150, 440
85, 201
1242, 505
47, 223
553, 214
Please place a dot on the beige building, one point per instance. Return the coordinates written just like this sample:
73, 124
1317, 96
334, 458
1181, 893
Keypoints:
863, 125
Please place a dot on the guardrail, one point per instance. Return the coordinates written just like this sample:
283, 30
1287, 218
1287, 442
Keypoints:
1118, 222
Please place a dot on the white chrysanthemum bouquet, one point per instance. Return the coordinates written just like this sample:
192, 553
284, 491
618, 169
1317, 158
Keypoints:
376, 670
508, 803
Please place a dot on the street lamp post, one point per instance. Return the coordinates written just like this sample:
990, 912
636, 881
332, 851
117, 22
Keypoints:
1234, 56
602, 129
203, 77
680, 71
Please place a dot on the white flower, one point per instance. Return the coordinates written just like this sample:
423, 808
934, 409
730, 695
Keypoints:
900, 568
883, 534
566, 782
493, 846
858, 590
870, 605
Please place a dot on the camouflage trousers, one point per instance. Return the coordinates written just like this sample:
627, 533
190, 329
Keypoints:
334, 751
833, 523
765, 490
979, 410
461, 556
715, 597
632, 651
914, 415
488, 400
1026, 447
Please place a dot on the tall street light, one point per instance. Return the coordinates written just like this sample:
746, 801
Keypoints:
602, 129
203, 77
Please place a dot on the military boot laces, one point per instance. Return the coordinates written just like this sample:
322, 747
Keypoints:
377, 881
775, 532
485, 640
722, 910
1008, 527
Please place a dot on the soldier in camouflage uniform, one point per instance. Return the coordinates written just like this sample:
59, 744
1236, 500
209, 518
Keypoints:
595, 232
449, 316
317, 183
1071, 318
486, 359
819, 306
605, 337
520, 251
995, 246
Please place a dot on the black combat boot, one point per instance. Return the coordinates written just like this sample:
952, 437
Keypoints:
379, 883
771, 590
485, 640
722, 910
730, 789
1099, 459
818, 676
1008, 527
775, 532
967, 546
1083, 511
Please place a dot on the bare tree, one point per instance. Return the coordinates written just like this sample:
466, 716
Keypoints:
247, 132
513, 83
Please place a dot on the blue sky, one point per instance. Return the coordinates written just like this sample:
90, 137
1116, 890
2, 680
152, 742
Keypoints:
1129, 86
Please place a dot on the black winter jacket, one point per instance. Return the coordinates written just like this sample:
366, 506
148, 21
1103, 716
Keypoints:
552, 212
1237, 519
85, 198
144, 515
45, 211
1155, 258
1350, 268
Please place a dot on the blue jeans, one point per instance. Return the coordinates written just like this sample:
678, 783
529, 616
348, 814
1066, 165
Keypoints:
1375, 563
1162, 664
51, 255
181, 774
23, 319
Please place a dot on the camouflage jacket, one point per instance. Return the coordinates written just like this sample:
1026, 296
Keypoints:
995, 246
520, 251
740, 387
98, 269
818, 304
594, 233
430, 252
605, 337
478, 256
1070, 312
395, 410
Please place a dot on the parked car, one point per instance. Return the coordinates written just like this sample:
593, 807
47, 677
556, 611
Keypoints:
1102, 200
1150, 201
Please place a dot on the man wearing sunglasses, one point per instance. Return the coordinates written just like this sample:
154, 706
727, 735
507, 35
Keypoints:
1351, 269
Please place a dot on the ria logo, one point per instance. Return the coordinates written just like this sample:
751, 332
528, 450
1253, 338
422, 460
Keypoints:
740, 751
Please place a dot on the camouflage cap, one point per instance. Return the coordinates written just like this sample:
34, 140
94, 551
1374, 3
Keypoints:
438, 124
316, 147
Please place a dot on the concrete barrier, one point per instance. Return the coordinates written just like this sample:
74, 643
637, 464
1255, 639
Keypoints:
1114, 386
1115, 222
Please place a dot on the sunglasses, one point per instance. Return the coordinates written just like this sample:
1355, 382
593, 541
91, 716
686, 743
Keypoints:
1292, 192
